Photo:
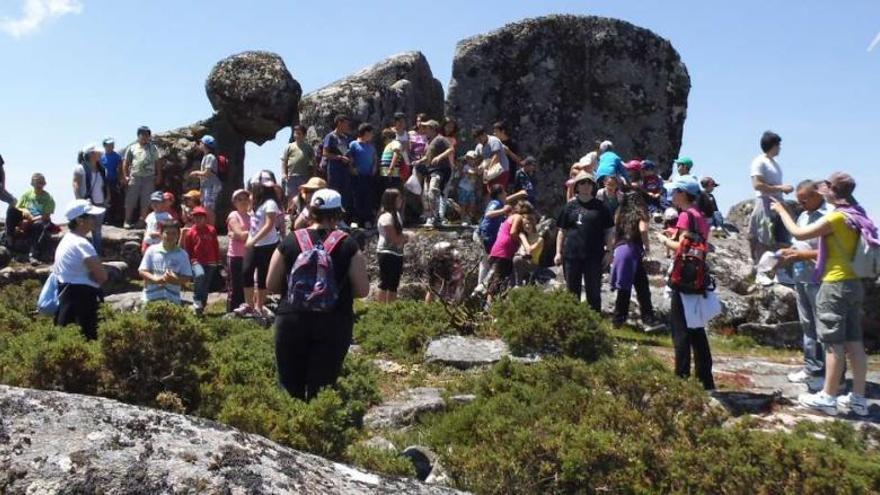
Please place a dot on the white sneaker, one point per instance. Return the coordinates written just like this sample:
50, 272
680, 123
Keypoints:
799, 376
429, 223
855, 403
819, 401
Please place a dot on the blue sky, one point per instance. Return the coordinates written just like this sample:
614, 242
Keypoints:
75, 71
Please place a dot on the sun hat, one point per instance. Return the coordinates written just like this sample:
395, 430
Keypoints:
326, 199
239, 192
314, 184
80, 207
208, 140
684, 160
633, 165
193, 194
199, 210
92, 148
686, 184
580, 177
157, 196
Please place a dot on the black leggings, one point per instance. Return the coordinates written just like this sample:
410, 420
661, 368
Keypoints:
257, 260
78, 303
310, 349
234, 282
390, 269
684, 339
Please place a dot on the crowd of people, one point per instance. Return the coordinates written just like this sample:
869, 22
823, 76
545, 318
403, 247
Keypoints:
291, 237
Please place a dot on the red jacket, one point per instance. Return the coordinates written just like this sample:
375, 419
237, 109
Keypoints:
201, 244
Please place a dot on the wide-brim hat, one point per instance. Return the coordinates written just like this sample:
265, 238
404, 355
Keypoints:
580, 177
314, 184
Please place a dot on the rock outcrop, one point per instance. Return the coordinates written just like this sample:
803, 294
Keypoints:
52, 442
562, 82
400, 83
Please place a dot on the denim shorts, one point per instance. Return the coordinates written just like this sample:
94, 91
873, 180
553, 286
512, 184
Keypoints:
838, 312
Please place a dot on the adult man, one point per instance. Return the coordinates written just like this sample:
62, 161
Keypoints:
511, 149
802, 257
365, 165
335, 160
766, 231
297, 162
435, 166
491, 149
683, 167
90, 184
112, 162
142, 172
36, 207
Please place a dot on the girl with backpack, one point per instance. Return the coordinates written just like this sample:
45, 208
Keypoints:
262, 239
208, 175
843, 232
314, 321
691, 224
389, 249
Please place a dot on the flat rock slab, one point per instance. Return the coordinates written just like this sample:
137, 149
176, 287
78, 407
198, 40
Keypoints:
403, 409
134, 301
466, 352
52, 442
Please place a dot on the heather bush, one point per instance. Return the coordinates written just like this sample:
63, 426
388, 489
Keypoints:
532, 320
401, 330
379, 460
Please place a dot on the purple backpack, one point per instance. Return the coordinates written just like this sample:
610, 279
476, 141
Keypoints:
311, 284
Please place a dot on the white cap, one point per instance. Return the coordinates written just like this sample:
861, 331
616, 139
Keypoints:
80, 207
326, 199
92, 148
471, 154
605, 146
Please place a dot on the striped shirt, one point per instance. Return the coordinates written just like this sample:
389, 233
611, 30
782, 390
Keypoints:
157, 260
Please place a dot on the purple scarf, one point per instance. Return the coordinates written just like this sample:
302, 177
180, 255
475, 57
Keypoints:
856, 219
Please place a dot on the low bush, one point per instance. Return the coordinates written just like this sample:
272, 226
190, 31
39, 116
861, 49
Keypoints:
157, 350
379, 460
534, 321
401, 330
21, 296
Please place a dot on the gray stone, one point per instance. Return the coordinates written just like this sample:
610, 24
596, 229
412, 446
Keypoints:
404, 408
52, 442
785, 334
561, 82
400, 83
465, 352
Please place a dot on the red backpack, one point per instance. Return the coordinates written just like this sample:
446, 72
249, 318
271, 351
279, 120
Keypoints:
690, 272
222, 167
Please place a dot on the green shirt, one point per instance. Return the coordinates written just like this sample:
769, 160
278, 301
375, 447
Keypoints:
142, 159
300, 158
37, 204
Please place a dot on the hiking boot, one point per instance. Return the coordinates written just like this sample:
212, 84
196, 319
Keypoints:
820, 401
855, 403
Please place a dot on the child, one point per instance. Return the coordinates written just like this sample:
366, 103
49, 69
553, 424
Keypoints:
652, 185
393, 160
300, 210
208, 175
165, 267
525, 180
531, 246
610, 195
488, 229
389, 249
191, 199
506, 244
238, 223
159, 215
709, 206
203, 248
467, 187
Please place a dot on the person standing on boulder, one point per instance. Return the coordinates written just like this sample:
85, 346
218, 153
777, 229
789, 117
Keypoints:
335, 160
585, 241
491, 149
112, 163
766, 232
78, 270
297, 164
90, 183
436, 170
142, 172
209, 176
610, 163
511, 148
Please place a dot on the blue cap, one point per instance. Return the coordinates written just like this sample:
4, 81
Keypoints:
648, 165
686, 184
208, 140
157, 196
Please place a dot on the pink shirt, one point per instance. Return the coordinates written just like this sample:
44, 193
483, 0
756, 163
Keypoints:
684, 222
505, 244
236, 247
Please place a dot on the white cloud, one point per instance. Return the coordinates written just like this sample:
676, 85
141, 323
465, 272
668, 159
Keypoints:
35, 13
874, 43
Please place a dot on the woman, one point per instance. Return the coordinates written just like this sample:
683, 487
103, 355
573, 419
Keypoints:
690, 222
238, 224
300, 211
389, 249
841, 293
628, 267
79, 271
262, 239
310, 346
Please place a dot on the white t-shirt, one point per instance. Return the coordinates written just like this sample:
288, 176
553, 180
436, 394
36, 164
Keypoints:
70, 260
769, 171
259, 219
97, 183
153, 220
384, 245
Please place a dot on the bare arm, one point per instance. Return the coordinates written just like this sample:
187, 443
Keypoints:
643, 230
357, 275
759, 185
819, 228
266, 228
560, 243
237, 233
276, 273
497, 213
96, 270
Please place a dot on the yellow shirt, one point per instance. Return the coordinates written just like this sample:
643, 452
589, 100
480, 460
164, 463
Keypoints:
841, 245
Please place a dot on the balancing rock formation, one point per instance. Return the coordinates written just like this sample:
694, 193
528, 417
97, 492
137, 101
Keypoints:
400, 83
53, 442
562, 82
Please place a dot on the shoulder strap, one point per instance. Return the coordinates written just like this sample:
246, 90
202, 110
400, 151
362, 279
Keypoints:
333, 240
303, 239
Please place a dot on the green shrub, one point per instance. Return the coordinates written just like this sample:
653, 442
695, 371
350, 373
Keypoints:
21, 297
50, 358
157, 350
401, 330
379, 460
532, 320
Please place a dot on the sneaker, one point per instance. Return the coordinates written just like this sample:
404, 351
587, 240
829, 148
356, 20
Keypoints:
653, 325
429, 223
127, 226
855, 403
244, 310
819, 401
799, 376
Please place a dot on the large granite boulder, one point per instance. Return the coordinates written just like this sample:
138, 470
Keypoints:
400, 83
562, 82
52, 442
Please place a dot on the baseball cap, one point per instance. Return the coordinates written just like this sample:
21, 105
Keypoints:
92, 148
157, 196
684, 160
80, 207
326, 199
686, 184
633, 165
198, 210
648, 165
708, 182
208, 140
842, 185
193, 194
109, 140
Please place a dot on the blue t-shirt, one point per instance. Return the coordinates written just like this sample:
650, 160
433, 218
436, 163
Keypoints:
364, 157
110, 162
525, 182
489, 226
337, 144
610, 163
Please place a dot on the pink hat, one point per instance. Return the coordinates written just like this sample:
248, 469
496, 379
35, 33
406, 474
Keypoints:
633, 165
